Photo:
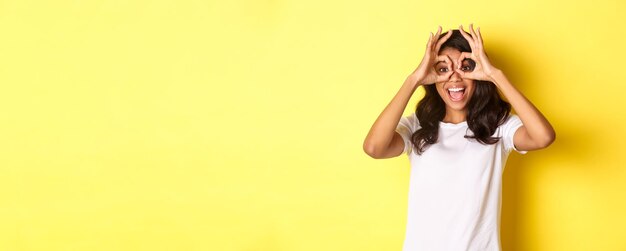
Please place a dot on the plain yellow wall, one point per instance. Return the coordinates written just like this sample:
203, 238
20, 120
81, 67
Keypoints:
238, 125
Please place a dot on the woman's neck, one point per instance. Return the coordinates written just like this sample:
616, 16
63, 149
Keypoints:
455, 117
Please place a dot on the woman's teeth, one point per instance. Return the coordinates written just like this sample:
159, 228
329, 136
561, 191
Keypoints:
456, 94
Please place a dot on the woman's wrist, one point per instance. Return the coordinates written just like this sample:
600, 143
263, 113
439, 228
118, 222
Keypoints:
499, 79
495, 75
415, 79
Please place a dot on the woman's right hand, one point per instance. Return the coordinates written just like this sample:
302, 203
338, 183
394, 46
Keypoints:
426, 73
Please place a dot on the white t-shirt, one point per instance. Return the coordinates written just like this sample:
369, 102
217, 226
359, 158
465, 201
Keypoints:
455, 188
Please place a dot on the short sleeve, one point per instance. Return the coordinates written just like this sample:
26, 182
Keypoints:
508, 130
405, 128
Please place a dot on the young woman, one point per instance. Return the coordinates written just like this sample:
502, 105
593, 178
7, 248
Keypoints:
457, 140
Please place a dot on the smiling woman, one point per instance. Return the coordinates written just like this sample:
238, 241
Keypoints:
456, 92
458, 141
462, 97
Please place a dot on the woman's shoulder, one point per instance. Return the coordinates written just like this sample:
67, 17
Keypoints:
509, 123
410, 121
412, 117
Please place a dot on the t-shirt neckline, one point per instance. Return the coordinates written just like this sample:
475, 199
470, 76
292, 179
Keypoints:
453, 125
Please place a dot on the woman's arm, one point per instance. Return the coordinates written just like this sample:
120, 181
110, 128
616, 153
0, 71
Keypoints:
536, 132
382, 141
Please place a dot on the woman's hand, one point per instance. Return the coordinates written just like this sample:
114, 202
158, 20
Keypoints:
483, 70
425, 72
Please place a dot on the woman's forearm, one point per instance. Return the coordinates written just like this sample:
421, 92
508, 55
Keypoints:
539, 130
382, 131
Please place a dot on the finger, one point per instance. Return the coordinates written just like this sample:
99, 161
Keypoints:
474, 36
430, 41
458, 69
438, 31
462, 73
479, 36
436, 36
444, 58
448, 60
459, 61
443, 40
472, 32
469, 39
430, 44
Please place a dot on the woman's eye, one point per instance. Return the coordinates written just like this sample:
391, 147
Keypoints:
468, 65
443, 69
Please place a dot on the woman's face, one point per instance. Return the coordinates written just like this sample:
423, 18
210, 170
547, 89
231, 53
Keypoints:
456, 92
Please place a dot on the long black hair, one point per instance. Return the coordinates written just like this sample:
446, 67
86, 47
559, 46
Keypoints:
486, 110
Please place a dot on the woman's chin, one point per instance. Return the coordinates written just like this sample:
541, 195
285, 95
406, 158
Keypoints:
457, 106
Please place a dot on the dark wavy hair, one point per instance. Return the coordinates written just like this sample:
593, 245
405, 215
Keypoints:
486, 110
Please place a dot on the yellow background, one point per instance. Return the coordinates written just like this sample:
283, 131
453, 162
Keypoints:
238, 125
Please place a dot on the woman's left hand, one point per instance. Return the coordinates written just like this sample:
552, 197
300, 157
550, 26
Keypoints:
483, 69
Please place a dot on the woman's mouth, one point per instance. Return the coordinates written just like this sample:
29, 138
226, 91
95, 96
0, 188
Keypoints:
456, 94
